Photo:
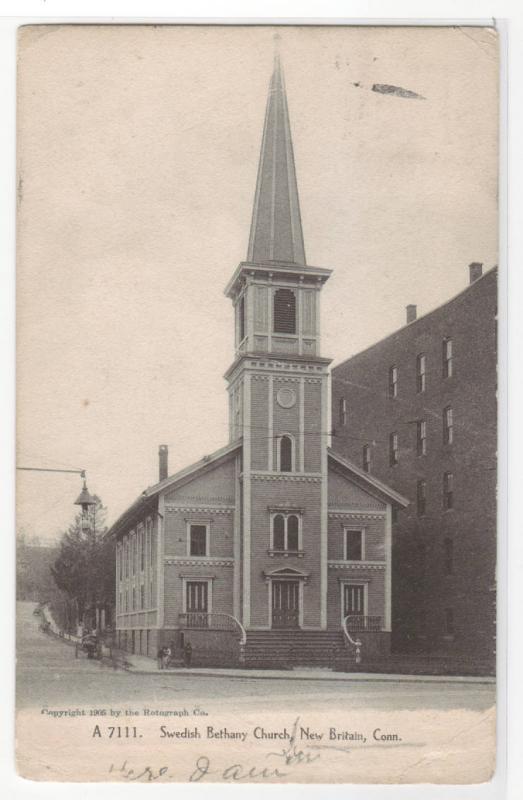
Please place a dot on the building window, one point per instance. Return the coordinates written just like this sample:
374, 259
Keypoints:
354, 599
142, 596
394, 514
241, 317
366, 458
447, 358
448, 490
133, 554
393, 381
343, 412
286, 532
133, 605
421, 560
448, 545
449, 622
197, 597
421, 437
448, 426
354, 550
421, 366
198, 539
142, 550
421, 498
393, 449
285, 454
284, 311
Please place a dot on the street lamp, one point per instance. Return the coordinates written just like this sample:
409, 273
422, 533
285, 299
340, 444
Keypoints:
85, 500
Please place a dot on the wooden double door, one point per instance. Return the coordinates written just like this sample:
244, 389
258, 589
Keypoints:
285, 604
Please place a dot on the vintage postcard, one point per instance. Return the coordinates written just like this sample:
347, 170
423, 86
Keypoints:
257, 423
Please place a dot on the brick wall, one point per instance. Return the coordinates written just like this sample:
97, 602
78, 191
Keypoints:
422, 588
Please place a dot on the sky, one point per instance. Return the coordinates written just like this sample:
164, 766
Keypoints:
137, 157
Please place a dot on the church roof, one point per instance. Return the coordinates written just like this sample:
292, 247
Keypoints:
276, 232
145, 502
369, 482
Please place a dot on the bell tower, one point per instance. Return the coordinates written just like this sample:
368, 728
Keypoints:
278, 401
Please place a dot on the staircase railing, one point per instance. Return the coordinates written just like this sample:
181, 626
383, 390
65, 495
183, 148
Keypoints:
201, 620
355, 643
359, 622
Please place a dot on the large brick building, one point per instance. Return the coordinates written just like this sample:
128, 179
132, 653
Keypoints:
418, 410
274, 535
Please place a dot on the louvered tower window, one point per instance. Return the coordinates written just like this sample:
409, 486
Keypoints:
284, 311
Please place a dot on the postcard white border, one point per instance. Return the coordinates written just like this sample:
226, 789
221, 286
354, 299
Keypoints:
510, 467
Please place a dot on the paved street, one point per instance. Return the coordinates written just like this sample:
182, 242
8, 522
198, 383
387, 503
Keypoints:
48, 674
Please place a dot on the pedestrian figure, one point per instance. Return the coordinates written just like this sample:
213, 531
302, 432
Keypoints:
160, 655
166, 657
187, 654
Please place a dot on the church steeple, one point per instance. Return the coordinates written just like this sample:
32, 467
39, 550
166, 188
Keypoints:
276, 232
276, 295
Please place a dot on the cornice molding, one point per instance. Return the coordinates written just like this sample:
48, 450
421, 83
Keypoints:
359, 565
258, 476
199, 562
175, 509
356, 514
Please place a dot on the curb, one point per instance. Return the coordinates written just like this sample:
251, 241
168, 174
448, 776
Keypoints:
368, 677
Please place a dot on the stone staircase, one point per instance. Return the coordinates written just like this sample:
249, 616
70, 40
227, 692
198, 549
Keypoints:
292, 647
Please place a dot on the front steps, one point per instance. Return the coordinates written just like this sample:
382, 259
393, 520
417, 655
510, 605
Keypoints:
292, 647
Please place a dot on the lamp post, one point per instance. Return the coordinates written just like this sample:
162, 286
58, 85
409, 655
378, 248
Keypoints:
85, 500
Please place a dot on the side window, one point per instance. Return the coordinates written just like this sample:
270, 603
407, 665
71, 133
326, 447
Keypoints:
393, 449
448, 425
421, 497
421, 371
393, 381
421, 437
343, 412
448, 490
447, 368
366, 458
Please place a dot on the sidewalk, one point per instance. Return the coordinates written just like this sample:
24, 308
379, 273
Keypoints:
141, 665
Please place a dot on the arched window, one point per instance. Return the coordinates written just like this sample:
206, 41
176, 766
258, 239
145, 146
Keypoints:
285, 454
279, 532
284, 317
292, 532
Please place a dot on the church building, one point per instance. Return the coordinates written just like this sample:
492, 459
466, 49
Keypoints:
274, 550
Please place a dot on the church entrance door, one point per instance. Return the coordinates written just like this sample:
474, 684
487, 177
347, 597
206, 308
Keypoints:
285, 604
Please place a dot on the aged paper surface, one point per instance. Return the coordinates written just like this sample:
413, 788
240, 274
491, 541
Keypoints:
307, 643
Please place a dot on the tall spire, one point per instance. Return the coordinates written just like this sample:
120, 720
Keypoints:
276, 233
